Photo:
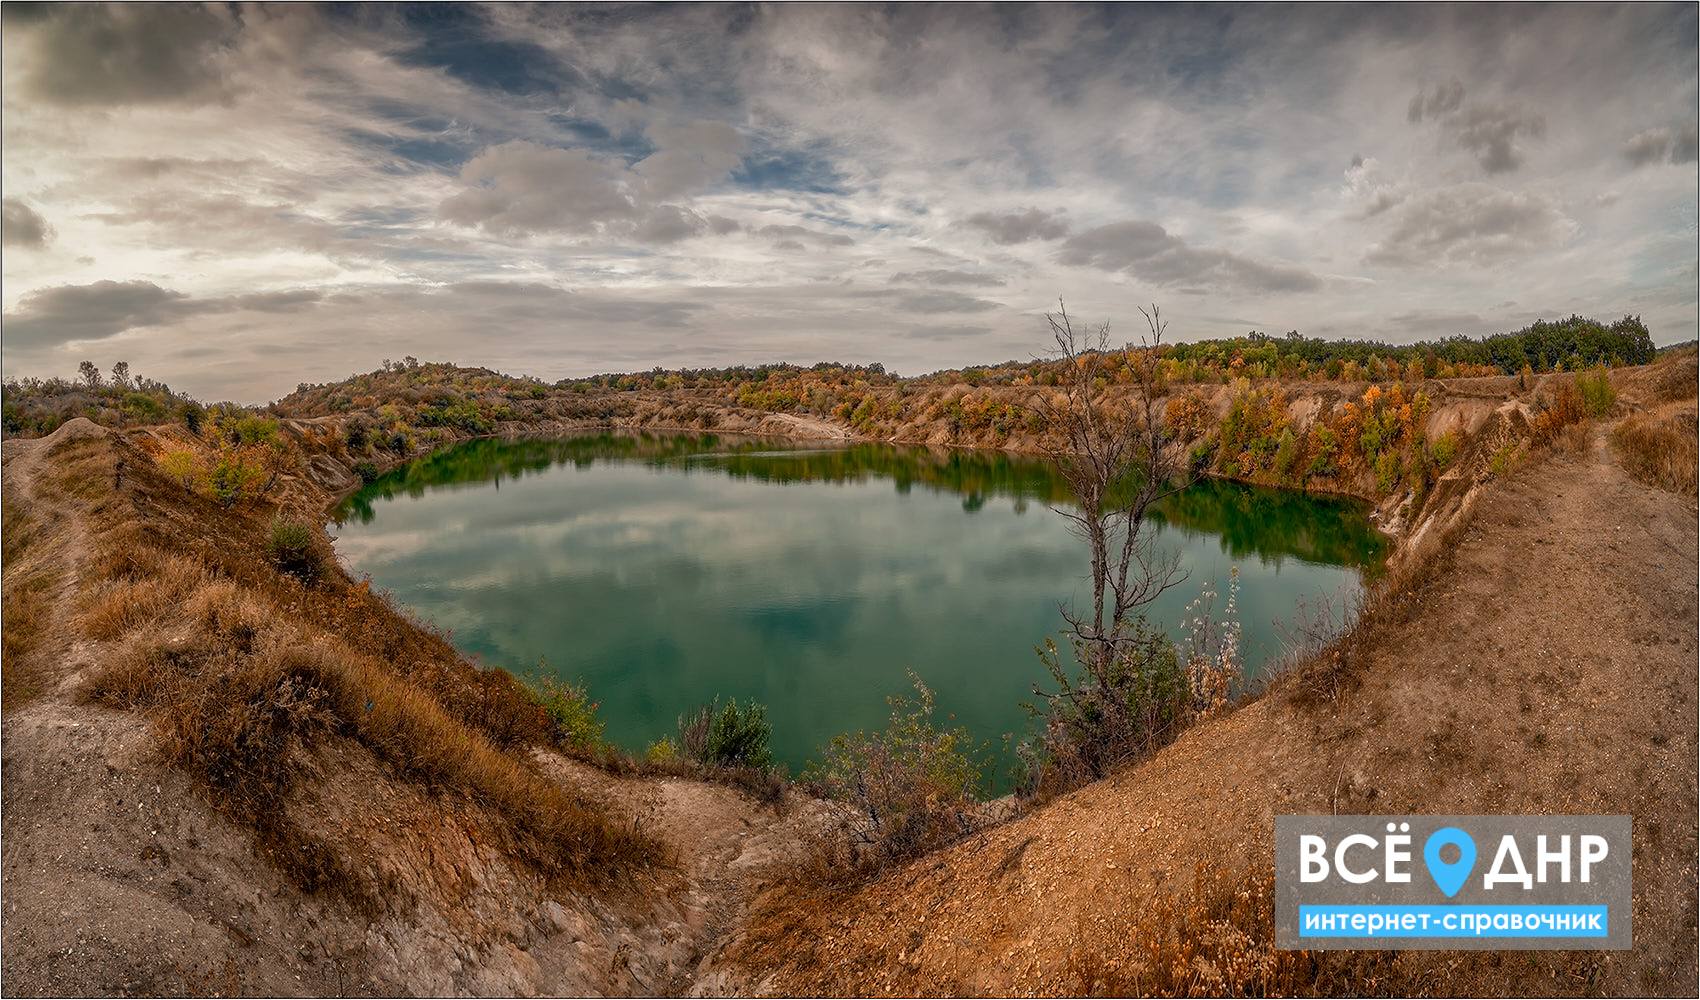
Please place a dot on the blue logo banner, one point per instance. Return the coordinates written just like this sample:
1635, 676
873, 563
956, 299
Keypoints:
1464, 882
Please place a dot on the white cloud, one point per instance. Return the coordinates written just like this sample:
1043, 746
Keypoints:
690, 157
690, 185
521, 187
1471, 223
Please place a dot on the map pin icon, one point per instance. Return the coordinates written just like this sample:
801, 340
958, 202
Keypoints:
1449, 877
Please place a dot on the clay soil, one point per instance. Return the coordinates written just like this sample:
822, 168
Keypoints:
1545, 664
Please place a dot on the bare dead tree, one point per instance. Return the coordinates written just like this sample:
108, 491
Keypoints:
1112, 448
1107, 438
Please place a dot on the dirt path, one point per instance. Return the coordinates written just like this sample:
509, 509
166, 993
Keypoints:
59, 546
1549, 669
726, 845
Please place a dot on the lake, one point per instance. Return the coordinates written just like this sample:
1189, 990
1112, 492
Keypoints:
665, 570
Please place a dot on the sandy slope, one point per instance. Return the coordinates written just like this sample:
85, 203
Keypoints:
118, 878
1550, 668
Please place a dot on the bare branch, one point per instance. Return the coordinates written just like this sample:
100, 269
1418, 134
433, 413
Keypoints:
1112, 449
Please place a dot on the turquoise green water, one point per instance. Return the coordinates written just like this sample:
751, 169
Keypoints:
663, 571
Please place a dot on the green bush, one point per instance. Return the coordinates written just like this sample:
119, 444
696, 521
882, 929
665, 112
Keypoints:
1286, 453
1505, 457
357, 432
911, 787
1105, 714
142, 406
1388, 471
254, 430
463, 415
290, 544
1597, 393
1325, 447
367, 471
1443, 449
729, 736
235, 476
571, 713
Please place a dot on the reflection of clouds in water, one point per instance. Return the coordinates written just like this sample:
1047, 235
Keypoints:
630, 517
663, 589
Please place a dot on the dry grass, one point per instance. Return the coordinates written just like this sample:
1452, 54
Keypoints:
117, 606
28, 591
1562, 409
249, 675
235, 705
1574, 439
1216, 937
1660, 447
1327, 660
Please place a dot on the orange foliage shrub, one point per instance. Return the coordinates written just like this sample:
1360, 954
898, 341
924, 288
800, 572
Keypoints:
1187, 416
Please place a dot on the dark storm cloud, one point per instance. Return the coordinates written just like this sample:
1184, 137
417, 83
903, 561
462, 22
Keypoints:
1435, 101
949, 332
1489, 132
668, 224
792, 236
945, 276
53, 316
22, 226
1149, 252
1655, 145
1686, 147
942, 302
517, 302
58, 315
1470, 224
1010, 228
1427, 324
126, 53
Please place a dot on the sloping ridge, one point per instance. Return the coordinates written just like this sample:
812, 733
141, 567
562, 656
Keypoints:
1545, 665
121, 877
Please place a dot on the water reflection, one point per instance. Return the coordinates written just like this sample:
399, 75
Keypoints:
664, 570
1249, 521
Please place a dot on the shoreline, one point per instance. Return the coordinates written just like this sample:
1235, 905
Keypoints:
546, 432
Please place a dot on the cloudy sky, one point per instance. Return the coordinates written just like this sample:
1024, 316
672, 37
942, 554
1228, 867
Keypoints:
238, 199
